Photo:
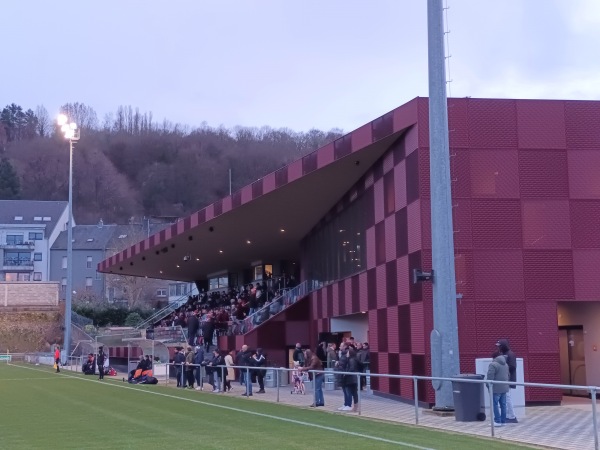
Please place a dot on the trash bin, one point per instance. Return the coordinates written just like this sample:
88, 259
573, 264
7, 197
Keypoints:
270, 378
467, 398
283, 377
329, 383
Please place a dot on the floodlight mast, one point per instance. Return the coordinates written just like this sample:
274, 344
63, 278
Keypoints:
72, 133
445, 360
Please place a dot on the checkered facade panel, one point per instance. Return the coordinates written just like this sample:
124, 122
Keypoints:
523, 200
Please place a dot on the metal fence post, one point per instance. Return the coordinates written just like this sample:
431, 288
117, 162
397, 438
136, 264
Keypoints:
248, 381
416, 394
358, 396
314, 375
491, 394
596, 445
277, 383
223, 378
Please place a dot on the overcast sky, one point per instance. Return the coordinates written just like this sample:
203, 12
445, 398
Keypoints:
298, 64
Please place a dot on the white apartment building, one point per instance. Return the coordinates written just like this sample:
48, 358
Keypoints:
28, 228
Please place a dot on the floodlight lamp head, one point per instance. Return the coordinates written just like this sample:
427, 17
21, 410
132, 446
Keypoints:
62, 120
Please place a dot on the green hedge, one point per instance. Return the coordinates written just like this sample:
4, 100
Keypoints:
112, 316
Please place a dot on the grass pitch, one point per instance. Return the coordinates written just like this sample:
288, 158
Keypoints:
42, 409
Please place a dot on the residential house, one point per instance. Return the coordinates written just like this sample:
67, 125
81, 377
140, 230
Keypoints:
28, 229
91, 245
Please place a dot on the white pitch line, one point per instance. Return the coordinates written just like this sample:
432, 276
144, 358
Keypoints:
230, 408
29, 379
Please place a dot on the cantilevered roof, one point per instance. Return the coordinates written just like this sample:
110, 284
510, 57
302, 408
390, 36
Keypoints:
266, 220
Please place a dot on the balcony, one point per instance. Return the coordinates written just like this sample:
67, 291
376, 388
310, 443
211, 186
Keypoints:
17, 265
29, 245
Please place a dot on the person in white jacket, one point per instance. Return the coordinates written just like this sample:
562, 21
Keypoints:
229, 373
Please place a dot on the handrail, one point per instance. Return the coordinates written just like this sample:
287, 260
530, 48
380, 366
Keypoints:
277, 305
162, 313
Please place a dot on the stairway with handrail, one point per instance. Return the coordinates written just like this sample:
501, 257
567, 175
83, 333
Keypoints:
276, 306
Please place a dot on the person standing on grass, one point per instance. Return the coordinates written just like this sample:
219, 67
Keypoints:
498, 371
57, 358
313, 362
100, 362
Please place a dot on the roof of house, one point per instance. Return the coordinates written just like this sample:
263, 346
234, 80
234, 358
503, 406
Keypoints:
105, 237
31, 212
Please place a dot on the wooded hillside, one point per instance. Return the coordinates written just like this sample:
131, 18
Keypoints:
130, 165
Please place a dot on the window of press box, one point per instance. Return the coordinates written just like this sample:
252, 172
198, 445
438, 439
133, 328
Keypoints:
220, 282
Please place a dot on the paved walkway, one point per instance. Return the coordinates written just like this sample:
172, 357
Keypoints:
563, 427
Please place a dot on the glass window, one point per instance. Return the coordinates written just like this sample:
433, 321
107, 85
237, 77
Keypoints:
10, 276
172, 290
220, 282
23, 277
98, 275
268, 270
335, 249
64, 262
14, 239
258, 272
17, 258
89, 262
161, 292
88, 283
37, 256
37, 276
36, 236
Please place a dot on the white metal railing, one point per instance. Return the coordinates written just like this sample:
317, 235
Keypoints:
277, 305
278, 371
164, 312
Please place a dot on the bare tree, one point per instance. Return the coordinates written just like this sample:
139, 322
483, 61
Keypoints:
84, 116
44, 123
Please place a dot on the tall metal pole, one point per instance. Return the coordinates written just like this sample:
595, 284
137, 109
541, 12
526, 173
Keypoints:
68, 300
444, 336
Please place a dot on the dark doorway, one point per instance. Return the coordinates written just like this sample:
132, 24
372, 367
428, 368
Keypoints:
572, 358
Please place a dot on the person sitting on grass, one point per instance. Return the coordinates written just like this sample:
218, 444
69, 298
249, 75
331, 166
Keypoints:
89, 366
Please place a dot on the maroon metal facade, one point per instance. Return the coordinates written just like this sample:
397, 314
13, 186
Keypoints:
526, 198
